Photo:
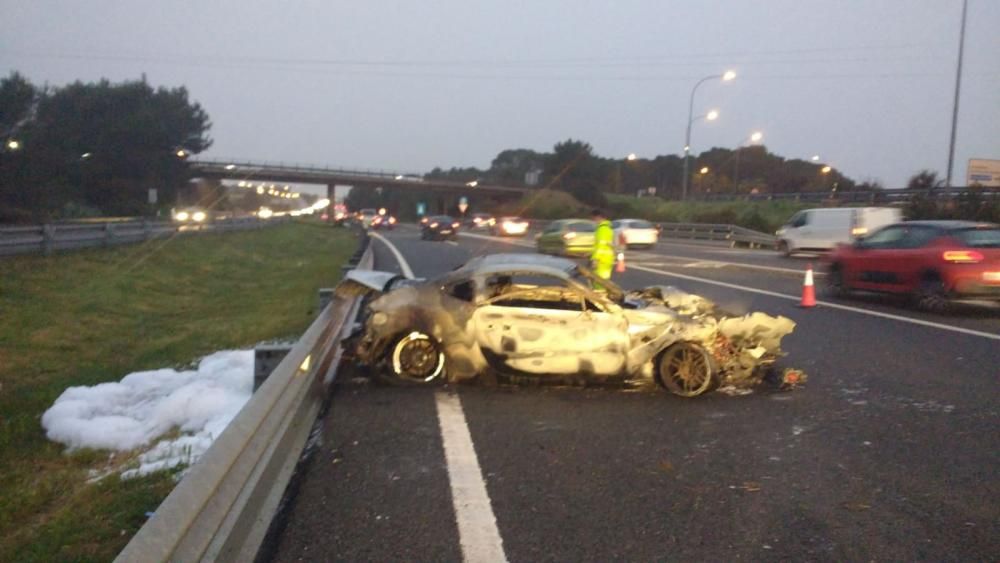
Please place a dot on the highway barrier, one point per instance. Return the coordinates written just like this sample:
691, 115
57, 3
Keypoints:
58, 237
221, 510
732, 234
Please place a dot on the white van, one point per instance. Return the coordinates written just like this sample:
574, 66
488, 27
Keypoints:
822, 229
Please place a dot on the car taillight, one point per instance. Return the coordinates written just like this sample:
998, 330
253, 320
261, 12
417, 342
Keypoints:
962, 256
568, 236
392, 219
454, 225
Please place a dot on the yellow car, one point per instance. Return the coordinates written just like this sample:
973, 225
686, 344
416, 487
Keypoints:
567, 237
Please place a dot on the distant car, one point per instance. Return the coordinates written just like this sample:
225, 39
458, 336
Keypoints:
933, 261
635, 233
824, 228
568, 237
424, 220
366, 216
387, 222
510, 227
440, 227
480, 221
191, 215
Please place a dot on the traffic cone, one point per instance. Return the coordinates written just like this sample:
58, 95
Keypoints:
808, 291
620, 266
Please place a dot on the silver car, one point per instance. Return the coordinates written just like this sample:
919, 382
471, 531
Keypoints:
539, 317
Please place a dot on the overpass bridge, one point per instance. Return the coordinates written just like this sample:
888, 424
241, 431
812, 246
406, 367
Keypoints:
449, 190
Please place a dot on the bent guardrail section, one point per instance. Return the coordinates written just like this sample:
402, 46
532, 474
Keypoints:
55, 237
222, 509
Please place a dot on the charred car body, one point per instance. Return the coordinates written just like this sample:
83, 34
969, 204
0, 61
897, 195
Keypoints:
528, 315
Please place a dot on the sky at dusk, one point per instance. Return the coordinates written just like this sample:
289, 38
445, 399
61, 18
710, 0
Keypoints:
866, 84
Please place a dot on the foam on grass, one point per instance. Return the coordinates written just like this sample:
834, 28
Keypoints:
144, 406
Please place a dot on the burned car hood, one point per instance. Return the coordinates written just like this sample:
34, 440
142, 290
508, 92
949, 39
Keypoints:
362, 282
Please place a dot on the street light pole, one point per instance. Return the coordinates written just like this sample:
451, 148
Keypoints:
727, 76
958, 86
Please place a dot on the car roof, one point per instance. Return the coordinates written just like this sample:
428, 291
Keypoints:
499, 263
950, 224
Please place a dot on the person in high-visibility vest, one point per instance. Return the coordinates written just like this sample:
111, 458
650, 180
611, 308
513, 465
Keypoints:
602, 259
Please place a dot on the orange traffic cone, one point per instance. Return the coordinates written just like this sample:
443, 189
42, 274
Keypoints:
620, 266
808, 291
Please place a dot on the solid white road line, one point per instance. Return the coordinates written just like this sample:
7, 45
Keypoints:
718, 263
831, 305
477, 525
403, 264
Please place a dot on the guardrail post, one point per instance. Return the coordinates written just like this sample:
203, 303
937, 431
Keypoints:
147, 229
48, 238
109, 234
266, 357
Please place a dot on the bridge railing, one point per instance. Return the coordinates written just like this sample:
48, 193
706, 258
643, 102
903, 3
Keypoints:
222, 509
58, 237
249, 167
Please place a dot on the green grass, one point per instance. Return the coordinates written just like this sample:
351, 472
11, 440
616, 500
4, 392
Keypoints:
94, 316
764, 216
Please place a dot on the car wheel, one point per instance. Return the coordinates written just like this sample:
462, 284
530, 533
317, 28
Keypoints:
415, 359
687, 370
784, 248
931, 295
834, 285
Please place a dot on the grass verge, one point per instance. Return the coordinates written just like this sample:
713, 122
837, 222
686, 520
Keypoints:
94, 316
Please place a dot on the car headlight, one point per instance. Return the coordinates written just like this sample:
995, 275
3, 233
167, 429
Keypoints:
198, 216
182, 216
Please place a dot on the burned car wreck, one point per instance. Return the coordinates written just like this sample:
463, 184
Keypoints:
534, 316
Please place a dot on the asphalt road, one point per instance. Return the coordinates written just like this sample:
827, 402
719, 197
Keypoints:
888, 453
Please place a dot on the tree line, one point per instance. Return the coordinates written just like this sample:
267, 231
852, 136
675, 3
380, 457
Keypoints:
94, 148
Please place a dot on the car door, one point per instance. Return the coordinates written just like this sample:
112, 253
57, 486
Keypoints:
551, 327
905, 262
870, 267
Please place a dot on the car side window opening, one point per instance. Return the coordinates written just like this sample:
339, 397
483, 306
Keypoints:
463, 290
533, 291
918, 237
888, 237
800, 219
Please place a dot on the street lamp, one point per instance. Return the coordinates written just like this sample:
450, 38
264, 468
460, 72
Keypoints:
704, 170
815, 158
181, 153
711, 116
13, 144
631, 156
825, 170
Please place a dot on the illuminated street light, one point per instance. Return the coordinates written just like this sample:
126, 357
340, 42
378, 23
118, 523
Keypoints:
631, 156
725, 77
230, 167
712, 115
815, 158
472, 184
260, 189
399, 176
754, 137
86, 155
13, 144
181, 153
826, 170
704, 170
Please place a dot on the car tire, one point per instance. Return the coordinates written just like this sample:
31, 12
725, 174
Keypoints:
686, 370
414, 359
932, 296
834, 285
784, 248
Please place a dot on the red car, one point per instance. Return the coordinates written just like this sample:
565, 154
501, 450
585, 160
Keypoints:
933, 261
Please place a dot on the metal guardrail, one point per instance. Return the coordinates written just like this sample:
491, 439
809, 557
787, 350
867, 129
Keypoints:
874, 197
54, 237
718, 232
222, 508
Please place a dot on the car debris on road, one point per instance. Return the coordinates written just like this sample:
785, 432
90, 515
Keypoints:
539, 317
